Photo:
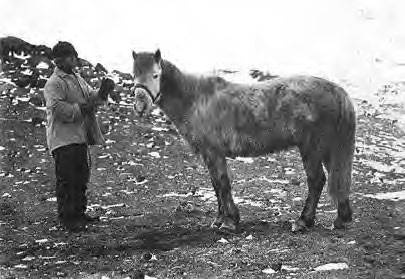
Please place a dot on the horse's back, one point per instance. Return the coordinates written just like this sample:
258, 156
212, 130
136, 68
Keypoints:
323, 99
300, 98
319, 112
270, 116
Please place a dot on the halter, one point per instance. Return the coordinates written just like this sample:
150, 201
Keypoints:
144, 87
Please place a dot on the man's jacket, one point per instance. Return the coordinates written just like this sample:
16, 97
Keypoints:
65, 123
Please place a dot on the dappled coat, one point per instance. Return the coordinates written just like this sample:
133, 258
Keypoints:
65, 123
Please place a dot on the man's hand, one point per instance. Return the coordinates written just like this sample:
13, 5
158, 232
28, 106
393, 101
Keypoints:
86, 108
107, 86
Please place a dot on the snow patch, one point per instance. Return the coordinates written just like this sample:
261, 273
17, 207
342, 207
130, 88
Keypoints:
279, 192
104, 156
280, 181
289, 268
394, 196
245, 160
268, 271
154, 154
208, 195
176, 195
238, 200
23, 99
27, 72
331, 266
378, 166
113, 205
160, 129
42, 65
223, 240
122, 103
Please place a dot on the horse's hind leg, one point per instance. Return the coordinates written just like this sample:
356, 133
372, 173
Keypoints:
312, 161
228, 213
344, 209
339, 180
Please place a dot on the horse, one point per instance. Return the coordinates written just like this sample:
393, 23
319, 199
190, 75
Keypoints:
221, 119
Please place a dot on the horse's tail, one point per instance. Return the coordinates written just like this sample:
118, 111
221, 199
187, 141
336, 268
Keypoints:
342, 149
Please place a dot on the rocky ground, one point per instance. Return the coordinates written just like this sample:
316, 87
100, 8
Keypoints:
156, 202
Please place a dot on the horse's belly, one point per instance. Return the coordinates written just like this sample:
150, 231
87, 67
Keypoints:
253, 144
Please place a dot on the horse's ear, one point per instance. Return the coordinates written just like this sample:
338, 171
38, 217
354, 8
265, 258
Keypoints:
158, 56
134, 55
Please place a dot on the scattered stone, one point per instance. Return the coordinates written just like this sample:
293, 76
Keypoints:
276, 266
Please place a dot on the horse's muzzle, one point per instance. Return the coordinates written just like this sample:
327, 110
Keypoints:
143, 101
144, 87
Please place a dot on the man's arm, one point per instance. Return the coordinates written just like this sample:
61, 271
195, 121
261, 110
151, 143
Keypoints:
100, 96
55, 98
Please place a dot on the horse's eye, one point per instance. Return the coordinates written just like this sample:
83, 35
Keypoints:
155, 76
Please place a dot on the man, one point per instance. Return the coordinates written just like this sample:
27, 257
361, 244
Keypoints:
71, 127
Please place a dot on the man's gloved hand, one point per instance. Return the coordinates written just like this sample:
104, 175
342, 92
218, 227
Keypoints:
106, 87
86, 108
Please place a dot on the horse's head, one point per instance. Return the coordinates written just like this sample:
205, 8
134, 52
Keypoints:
147, 72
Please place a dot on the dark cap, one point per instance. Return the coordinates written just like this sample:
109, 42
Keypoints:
63, 49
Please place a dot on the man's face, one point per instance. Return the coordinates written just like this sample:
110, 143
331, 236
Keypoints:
68, 63
71, 61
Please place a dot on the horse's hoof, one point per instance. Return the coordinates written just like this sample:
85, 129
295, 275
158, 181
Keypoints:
217, 223
339, 224
224, 224
227, 227
298, 226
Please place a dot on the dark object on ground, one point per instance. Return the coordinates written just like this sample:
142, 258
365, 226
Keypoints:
100, 68
42, 50
261, 76
13, 45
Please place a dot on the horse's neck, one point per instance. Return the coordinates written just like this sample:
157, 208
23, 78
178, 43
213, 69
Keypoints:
180, 91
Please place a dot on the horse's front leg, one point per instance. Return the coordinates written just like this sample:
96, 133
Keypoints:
228, 214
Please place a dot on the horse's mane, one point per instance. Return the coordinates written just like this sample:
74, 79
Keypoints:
176, 82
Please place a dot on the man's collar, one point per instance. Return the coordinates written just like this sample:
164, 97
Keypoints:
62, 73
